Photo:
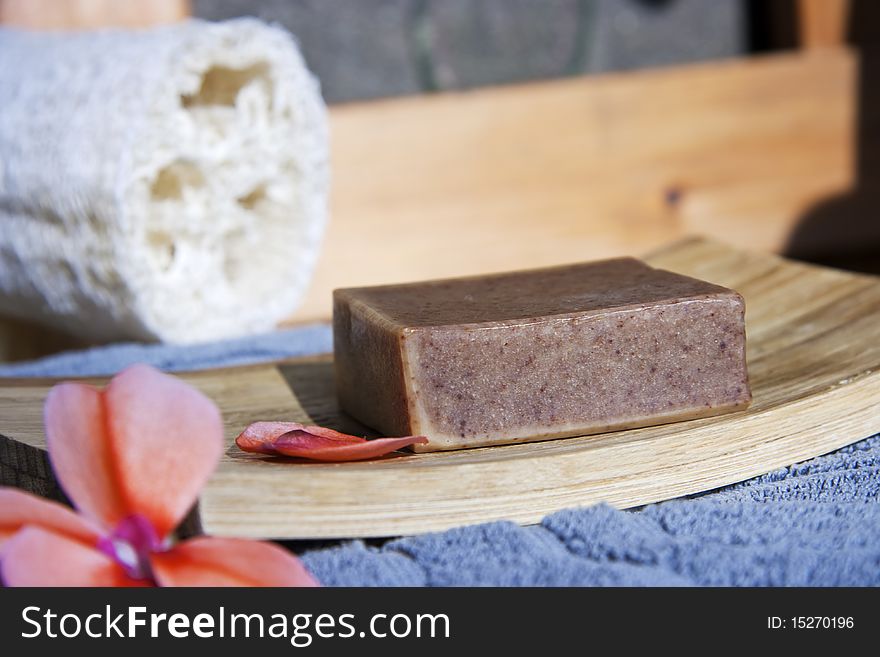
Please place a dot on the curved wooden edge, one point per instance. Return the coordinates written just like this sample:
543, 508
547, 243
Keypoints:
814, 361
621, 469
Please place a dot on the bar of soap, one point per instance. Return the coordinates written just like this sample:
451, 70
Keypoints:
538, 354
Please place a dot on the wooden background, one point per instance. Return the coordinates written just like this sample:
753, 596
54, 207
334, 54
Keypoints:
767, 152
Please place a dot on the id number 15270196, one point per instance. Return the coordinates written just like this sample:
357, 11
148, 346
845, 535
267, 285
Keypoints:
810, 623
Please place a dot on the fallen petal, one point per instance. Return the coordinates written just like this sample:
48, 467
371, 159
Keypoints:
144, 445
258, 436
316, 443
229, 562
19, 509
306, 445
37, 557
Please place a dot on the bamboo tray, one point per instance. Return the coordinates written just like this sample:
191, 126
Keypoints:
814, 361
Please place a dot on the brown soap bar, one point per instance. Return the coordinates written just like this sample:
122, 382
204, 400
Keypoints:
538, 354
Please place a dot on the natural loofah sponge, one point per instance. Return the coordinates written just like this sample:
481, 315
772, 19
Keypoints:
162, 184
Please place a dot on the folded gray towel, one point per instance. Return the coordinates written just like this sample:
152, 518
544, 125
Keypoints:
813, 524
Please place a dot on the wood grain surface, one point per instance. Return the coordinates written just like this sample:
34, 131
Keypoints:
823, 23
591, 167
814, 361
91, 14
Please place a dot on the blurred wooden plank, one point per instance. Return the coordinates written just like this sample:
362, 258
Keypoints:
575, 169
83, 14
823, 23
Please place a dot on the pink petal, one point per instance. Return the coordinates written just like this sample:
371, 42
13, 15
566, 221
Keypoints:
319, 448
37, 557
144, 445
18, 509
316, 443
80, 452
229, 562
258, 436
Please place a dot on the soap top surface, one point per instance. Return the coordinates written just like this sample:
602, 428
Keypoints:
531, 294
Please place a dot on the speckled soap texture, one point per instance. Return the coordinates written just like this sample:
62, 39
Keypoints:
539, 354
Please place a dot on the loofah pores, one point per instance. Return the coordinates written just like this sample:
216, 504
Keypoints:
165, 184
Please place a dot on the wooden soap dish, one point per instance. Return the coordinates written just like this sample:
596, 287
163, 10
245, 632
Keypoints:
814, 363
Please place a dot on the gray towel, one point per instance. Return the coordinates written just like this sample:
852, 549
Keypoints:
813, 524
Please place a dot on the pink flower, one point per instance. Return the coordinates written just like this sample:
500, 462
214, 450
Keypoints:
132, 457
316, 443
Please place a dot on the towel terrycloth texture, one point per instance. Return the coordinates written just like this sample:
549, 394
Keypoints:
168, 183
812, 524
303, 341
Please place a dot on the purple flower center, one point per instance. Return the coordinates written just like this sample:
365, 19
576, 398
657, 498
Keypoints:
130, 545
